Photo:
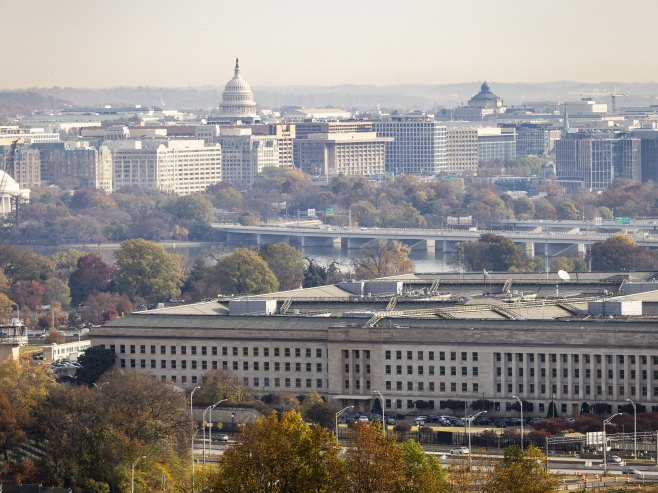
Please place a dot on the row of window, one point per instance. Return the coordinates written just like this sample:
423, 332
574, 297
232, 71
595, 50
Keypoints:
621, 389
576, 373
420, 370
430, 387
420, 355
256, 382
203, 365
575, 358
214, 351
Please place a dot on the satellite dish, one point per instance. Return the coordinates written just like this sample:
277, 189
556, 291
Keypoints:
564, 275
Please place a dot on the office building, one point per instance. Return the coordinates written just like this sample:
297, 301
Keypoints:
541, 353
595, 159
496, 144
21, 135
176, 166
285, 134
244, 155
536, 139
332, 154
648, 154
23, 164
92, 166
462, 150
419, 145
305, 128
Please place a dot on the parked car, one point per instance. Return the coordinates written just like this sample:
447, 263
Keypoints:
460, 451
614, 459
390, 421
363, 419
220, 437
630, 470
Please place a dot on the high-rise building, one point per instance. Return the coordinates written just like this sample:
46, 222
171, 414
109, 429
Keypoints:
419, 146
594, 159
91, 165
238, 103
535, 139
285, 134
304, 129
244, 155
176, 166
462, 150
23, 164
331, 154
496, 144
648, 154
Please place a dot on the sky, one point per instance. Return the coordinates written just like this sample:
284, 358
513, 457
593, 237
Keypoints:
181, 43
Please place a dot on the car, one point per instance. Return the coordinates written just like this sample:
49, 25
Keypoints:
363, 419
460, 451
220, 437
614, 459
630, 470
390, 421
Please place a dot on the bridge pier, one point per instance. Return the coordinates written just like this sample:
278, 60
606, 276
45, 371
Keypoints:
355, 243
318, 241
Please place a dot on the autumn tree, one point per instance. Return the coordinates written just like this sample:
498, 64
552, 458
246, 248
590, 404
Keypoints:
519, 471
94, 362
145, 269
242, 272
23, 388
382, 258
27, 294
424, 473
315, 410
373, 461
54, 336
223, 384
621, 252
276, 455
493, 253
195, 208
286, 262
100, 308
92, 275
23, 264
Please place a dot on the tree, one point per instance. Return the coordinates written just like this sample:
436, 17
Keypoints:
424, 472
54, 336
94, 362
382, 258
519, 471
373, 462
482, 405
195, 208
242, 272
315, 410
92, 275
28, 294
100, 308
23, 388
22, 264
145, 269
621, 252
493, 253
56, 291
280, 455
286, 262
223, 384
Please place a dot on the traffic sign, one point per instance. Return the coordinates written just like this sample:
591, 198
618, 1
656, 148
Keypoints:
329, 212
622, 220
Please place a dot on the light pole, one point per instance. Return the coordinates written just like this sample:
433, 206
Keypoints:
634, 427
470, 422
552, 405
210, 424
337, 415
605, 442
132, 473
520, 407
383, 415
193, 432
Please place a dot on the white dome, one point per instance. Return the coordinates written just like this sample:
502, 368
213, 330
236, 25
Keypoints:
237, 100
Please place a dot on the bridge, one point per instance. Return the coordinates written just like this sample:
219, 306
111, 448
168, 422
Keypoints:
536, 242
633, 225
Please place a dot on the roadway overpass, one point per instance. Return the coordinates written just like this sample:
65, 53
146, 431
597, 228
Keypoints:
536, 242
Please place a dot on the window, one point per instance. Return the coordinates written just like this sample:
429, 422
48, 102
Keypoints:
193, 348
442, 355
163, 364
286, 352
398, 354
245, 365
464, 387
224, 351
409, 354
475, 371
298, 367
453, 356
204, 351
122, 348
152, 349
442, 371
245, 351
308, 354
183, 364
431, 355
410, 386
287, 367
318, 354
474, 356
387, 355
235, 365
318, 367
464, 371
214, 351
173, 349
163, 349
388, 385
453, 371
276, 352
464, 357
142, 349
266, 352
431, 370
298, 352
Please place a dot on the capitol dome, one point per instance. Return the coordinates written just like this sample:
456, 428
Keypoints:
238, 100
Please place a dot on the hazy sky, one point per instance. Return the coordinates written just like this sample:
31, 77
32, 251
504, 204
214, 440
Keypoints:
93, 43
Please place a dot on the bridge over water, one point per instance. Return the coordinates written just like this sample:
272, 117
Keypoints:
540, 243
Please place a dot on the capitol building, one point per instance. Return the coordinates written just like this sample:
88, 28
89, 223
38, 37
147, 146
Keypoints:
238, 103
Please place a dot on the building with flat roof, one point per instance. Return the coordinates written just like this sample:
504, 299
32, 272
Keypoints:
91, 165
419, 145
496, 144
405, 338
244, 155
536, 139
462, 150
332, 154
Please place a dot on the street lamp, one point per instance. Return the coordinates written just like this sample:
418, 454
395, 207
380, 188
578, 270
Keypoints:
132, 473
553, 405
634, 427
337, 415
210, 423
605, 442
383, 416
520, 407
193, 432
470, 422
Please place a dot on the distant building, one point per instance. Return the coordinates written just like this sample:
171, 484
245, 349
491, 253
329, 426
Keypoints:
285, 134
22, 163
536, 139
9, 191
594, 159
176, 166
462, 150
20, 135
305, 128
584, 106
482, 105
317, 114
244, 155
331, 154
648, 154
419, 146
238, 103
496, 144
92, 166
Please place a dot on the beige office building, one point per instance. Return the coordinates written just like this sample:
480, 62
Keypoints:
244, 155
462, 150
285, 134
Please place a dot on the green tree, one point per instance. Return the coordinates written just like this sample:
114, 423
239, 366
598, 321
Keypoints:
519, 471
424, 472
22, 264
145, 269
315, 410
242, 272
286, 262
94, 362
195, 208
621, 252
56, 290
493, 253
276, 455
566, 209
381, 258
